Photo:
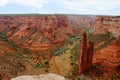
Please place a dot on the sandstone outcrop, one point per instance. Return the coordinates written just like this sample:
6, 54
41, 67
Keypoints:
81, 21
36, 32
110, 56
86, 54
107, 23
49, 76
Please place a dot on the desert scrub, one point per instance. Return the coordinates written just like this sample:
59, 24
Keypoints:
99, 37
107, 38
105, 44
97, 69
74, 38
46, 65
79, 78
74, 57
116, 75
74, 53
12, 63
4, 38
37, 65
60, 51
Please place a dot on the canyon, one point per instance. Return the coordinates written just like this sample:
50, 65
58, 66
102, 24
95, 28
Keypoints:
39, 37
41, 32
36, 33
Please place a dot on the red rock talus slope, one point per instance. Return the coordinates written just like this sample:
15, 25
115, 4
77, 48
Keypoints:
107, 23
35, 32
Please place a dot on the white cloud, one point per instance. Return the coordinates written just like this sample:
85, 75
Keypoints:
76, 6
92, 6
3, 3
32, 3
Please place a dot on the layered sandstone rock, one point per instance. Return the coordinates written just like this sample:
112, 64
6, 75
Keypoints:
86, 54
107, 23
110, 56
80, 22
36, 32
83, 53
90, 54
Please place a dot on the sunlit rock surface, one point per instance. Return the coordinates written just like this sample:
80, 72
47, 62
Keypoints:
49, 76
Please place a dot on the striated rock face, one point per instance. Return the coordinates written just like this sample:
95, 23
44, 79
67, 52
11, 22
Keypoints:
36, 32
90, 54
81, 22
86, 54
107, 23
83, 53
117, 42
110, 56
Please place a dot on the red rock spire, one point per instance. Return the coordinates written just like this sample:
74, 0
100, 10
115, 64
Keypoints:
86, 54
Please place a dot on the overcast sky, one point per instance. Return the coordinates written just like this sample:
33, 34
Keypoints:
97, 7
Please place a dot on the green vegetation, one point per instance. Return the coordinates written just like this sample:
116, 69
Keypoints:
98, 38
60, 51
97, 69
74, 38
39, 65
75, 52
69, 43
89, 30
4, 38
47, 66
80, 78
74, 60
105, 44
72, 63
10, 43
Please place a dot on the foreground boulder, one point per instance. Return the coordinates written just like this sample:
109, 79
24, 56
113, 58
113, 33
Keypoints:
49, 76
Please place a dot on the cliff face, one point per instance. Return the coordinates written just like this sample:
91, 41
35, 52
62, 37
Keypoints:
41, 32
81, 22
107, 23
110, 56
35, 32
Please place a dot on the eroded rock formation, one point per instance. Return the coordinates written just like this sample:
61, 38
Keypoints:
36, 32
83, 53
90, 54
107, 23
110, 56
86, 54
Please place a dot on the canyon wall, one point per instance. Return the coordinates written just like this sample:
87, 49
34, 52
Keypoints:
107, 23
81, 21
36, 32
40, 32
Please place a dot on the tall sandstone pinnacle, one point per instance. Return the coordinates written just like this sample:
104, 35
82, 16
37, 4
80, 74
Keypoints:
86, 54
90, 54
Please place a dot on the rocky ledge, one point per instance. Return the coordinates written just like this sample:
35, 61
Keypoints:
49, 76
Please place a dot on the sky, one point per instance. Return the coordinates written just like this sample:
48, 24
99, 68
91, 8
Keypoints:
93, 7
